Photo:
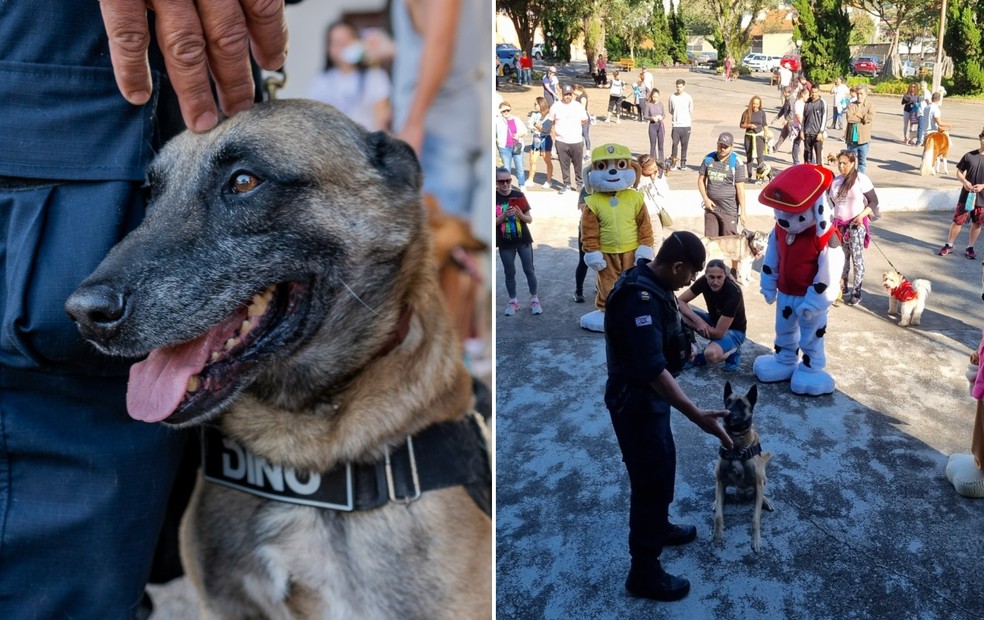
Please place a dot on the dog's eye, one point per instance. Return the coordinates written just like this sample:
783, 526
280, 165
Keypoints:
621, 164
243, 182
601, 165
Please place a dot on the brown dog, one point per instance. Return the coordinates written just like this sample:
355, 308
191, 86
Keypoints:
742, 467
936, 148
284, 286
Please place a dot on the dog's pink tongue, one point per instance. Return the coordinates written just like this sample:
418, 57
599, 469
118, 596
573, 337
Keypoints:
158, 383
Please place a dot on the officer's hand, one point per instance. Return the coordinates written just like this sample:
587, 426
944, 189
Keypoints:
595, 260
196, 39
707, 420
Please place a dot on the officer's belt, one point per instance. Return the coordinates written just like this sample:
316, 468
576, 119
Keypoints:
442, 455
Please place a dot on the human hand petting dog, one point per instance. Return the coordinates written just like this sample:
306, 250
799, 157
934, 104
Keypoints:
196, 39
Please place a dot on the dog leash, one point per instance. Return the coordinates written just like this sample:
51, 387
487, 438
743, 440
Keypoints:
877, 247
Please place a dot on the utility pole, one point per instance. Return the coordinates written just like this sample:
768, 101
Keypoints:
938, 65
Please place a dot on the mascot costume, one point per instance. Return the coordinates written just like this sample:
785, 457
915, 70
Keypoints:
799, 273
615, 226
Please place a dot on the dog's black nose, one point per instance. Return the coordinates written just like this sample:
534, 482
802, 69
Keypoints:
98, 310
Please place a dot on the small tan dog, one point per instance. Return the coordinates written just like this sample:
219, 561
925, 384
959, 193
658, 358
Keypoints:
935, 151
906, 299
742, 467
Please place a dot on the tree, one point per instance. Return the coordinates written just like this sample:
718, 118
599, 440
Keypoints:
730, 36
893, 15
678, 36
629, 20
526, 16
824, 28
659, 32
862, 28
962, 41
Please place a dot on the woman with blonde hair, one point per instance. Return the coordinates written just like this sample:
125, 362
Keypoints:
542, 143
754, 121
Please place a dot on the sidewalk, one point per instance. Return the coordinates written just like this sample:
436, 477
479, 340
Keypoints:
865, 523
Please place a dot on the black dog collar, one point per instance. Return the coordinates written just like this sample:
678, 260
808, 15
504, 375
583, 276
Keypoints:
442, 455
740, 454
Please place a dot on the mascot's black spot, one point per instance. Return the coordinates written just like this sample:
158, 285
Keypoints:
787, 312
820, 209
820, 287
783, 223
821, 331
802, 218
823, 224
806, 360
768, 271
777, 348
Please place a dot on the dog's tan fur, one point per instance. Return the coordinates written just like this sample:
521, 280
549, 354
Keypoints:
747, 476
743, 249
936, 148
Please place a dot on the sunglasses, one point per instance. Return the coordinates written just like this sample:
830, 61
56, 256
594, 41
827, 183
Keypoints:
503, 181
506, 110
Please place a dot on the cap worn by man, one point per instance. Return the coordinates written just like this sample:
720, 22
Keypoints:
726, 139
567, 90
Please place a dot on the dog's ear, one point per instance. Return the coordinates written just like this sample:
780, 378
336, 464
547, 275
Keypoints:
727, 390
752, 395
395, 159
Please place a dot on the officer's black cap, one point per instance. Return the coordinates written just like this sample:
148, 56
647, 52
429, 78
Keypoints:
683, 246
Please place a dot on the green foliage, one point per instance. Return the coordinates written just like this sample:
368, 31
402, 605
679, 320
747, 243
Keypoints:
962, 42
678, 37
862, 28
615, 46
824, 28
890, 86
660, 34
563, 28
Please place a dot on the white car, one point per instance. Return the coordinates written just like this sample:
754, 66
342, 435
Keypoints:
537, 51
907, 69
760, 62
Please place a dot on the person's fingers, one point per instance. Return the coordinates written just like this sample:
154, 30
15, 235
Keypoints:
227, 48
129, 38
182, 41
268, 31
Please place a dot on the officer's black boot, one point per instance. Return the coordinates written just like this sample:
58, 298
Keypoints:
652, 582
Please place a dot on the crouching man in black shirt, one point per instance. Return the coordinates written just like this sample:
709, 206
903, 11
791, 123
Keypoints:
646, 348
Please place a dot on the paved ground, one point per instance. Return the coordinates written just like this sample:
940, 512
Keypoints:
865, 523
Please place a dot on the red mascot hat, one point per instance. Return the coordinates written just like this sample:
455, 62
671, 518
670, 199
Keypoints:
796, 189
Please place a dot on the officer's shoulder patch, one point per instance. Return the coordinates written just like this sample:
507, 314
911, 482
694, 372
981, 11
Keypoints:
644, 320
644, 296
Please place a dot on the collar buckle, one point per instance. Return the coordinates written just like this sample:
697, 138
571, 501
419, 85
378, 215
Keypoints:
391, 488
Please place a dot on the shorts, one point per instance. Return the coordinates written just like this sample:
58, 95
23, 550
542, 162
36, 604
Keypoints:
961, 215
718, 224
546, 145
732, 339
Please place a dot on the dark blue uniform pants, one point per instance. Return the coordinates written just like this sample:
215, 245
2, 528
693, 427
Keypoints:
642, 425
83, 487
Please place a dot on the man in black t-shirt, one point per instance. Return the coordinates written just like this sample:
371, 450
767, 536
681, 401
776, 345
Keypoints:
723, 323
970, 205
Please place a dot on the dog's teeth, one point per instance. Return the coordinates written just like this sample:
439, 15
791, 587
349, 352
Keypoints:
245, 328
258, 307
268, 294
193, 384
216, 355
230, 343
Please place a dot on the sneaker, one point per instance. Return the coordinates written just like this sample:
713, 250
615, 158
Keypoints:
854, 300
970, 253
535, 307
731, 364
697, 361
564, 189
522, 187
945, 250
547, 185
512, 307
578, 297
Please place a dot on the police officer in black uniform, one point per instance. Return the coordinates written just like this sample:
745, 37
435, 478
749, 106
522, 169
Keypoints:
646, 348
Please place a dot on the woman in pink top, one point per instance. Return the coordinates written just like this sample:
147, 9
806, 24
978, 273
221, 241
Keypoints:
855, 205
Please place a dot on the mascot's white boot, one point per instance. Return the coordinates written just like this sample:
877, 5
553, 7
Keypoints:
811, 382
771, 369
594, 321
963, 474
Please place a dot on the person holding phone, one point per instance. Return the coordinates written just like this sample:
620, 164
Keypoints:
512, 237
855, 206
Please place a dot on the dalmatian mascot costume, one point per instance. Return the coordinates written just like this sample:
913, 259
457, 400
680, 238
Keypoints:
799, 273
615, 226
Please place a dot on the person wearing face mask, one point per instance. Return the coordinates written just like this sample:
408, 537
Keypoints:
347, 83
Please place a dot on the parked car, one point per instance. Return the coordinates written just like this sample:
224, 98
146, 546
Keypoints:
537, 51
507, 53
907, 69
760, 62
791, 61
706, 58
866, 65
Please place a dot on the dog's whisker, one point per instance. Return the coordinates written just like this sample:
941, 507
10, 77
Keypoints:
359, 299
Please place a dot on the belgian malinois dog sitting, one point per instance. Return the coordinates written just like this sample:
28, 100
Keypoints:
284, 288
742, 467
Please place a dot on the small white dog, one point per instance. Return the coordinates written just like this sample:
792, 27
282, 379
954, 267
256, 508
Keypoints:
906, 299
